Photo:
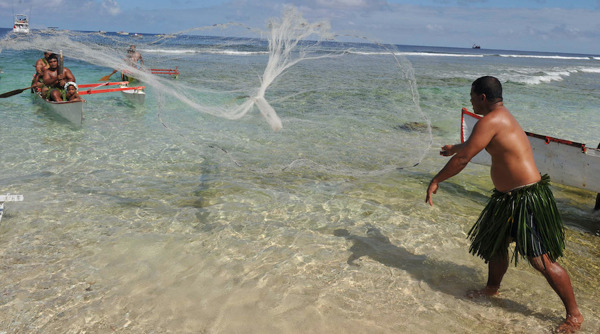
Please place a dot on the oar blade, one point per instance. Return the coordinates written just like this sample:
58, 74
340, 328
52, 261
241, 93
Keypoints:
12, 92
107, 77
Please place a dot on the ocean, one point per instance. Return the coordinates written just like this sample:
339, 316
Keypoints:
196, 213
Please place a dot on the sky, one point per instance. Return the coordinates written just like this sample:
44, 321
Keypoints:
571, 26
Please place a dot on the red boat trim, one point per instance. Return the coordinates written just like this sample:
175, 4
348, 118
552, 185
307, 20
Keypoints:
102, 84
165, 71
109, 90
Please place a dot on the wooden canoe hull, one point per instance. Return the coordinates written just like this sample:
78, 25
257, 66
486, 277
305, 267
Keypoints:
568, 163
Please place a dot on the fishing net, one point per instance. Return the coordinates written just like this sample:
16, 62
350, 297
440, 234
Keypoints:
335, 102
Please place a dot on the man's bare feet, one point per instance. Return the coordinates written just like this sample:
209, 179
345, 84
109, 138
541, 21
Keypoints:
571, 325
488, 291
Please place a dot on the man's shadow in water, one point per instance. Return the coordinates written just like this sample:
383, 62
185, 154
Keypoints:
447, 277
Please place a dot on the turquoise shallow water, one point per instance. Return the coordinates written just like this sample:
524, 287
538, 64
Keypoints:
172, 218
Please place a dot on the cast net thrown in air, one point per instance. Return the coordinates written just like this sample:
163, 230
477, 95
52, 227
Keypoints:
337, 102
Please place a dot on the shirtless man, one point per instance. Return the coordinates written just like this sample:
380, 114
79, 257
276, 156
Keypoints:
53, 82
539, 238
41, 65
132, 59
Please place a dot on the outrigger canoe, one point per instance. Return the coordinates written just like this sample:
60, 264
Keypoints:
566, 162
8, 198
72, 111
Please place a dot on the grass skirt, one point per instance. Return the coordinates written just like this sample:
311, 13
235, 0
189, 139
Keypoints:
528, 215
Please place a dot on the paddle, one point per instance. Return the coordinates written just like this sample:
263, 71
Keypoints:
14, 92
96, 86
110, 90
107, 77
61, 64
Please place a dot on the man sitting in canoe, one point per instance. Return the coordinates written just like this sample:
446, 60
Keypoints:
54, 83
41, 65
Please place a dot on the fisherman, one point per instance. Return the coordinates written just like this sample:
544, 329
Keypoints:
54, 83
132, 59
41, 65
522, 208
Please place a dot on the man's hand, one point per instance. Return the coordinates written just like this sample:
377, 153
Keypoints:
432, 189
448, 150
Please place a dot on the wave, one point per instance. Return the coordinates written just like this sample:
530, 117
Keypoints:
591, 70
549, 57
205, 51
426, 54
408, 53
536, 78
467, 55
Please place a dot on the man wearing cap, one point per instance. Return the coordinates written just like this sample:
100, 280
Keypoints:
54, 83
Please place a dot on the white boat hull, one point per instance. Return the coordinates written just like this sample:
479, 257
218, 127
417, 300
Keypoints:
134, 95
71, 111
21, 30
568, 163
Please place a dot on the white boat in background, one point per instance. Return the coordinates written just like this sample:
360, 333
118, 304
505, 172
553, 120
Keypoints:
8, 198
137, 96
72, 111
21, 25
124, 33
566, 162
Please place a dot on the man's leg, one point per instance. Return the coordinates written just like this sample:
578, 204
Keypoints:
561, 283
496, 270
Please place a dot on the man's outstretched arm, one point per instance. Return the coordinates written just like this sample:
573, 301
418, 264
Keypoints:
483, 132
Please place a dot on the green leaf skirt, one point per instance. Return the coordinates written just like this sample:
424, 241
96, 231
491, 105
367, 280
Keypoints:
528, 216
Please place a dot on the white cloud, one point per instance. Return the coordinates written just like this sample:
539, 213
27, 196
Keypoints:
111, 6
434, 27
342, 3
